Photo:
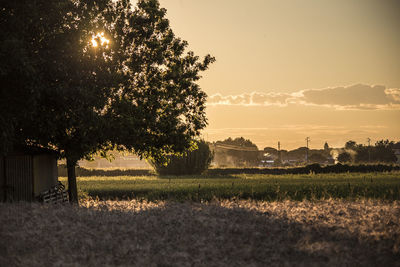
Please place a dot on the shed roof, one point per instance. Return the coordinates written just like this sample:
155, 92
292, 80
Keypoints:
31, 150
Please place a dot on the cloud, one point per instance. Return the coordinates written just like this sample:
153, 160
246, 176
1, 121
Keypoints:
252, 99
354, 97
357, 96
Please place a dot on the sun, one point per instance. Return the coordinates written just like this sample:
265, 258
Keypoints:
99, 39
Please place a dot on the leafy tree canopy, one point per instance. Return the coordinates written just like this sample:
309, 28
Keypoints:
239, 141
271, 150
238, 152
350, 145
317, 158
344, 157
382, 151
194, 161
137, 93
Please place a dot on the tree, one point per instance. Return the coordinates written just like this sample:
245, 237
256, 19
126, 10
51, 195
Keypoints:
317, 158
383, 152
139, 93
65, 88
239, 142
297, 154
19, 77
350, 145
344, 157
362, 154
326, 148
238, 152
194, 161
160, 90
271, 150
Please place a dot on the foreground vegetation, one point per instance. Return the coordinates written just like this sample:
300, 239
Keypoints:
311, 168
220, 233
385, 186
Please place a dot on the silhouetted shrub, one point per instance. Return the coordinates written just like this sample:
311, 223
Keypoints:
344, 157
313, 168
192, 162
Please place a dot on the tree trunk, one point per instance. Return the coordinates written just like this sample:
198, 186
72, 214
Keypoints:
72, 187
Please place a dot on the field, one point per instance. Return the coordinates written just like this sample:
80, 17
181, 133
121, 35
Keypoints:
385, 186
217, 233
232, 220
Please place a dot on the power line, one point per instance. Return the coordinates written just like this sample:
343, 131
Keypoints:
232, 147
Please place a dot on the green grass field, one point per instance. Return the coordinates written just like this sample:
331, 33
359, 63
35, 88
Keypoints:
384, 186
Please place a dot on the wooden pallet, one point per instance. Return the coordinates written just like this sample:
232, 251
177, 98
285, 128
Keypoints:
58, 194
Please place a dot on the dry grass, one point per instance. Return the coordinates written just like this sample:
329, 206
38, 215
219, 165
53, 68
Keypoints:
227, 233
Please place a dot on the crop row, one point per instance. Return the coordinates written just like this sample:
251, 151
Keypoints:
258, 187
312, 168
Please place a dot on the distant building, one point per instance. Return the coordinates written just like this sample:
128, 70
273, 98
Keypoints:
266, 159
26, 173
330, 160
266, 163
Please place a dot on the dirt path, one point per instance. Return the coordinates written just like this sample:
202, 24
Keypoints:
228, 233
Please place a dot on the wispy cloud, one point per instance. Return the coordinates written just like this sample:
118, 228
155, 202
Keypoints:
354, 97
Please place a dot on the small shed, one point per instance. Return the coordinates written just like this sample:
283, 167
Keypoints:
26, 173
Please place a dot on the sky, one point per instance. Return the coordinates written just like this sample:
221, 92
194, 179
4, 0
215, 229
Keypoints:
287, 70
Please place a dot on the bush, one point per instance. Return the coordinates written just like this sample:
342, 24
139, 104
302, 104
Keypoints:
192, 162
344, 157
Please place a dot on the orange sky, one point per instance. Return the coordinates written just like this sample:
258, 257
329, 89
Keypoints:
286, 70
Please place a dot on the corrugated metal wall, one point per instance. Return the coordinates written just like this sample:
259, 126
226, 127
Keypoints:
2, 180
19, 178
44, 173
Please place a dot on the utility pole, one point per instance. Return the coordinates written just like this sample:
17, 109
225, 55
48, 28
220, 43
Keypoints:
369, 149
279, 153
307, 141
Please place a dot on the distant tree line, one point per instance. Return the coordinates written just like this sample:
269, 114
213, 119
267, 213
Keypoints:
241, 152
382, 151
